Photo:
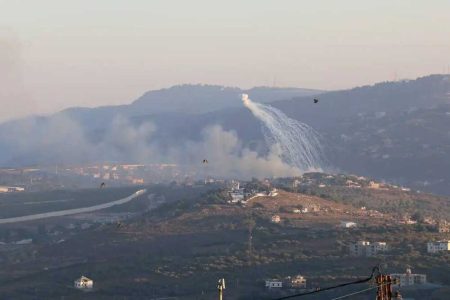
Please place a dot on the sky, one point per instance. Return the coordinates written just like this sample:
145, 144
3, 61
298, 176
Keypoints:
56, 54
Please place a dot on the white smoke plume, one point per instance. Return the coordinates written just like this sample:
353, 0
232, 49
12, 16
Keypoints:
299, 144
229, 159
61, 140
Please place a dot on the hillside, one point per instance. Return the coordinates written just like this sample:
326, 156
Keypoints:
358, 192
392, 131
198, 99
182, 100
182, 247
396, 131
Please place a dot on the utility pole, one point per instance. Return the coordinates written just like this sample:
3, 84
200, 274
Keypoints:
221, 287
384, 283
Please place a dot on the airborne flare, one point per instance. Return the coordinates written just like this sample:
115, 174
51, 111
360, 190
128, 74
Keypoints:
299, 144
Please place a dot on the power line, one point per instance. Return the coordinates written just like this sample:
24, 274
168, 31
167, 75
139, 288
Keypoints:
375, 269
359, 292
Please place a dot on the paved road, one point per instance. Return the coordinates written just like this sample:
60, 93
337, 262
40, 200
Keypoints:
73, 211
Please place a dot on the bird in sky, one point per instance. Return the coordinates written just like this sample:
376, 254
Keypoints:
316, 100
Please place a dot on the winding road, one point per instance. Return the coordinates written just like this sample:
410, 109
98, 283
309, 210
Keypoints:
73, 211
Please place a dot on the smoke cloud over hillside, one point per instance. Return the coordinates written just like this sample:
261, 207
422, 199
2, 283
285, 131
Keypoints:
228, 158
299, 144
61, 140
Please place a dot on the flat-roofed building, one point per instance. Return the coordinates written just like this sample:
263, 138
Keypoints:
439, 246
84, 283
367, 249
408, 278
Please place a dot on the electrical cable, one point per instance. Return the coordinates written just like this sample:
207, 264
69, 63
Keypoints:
375, 269
359, 292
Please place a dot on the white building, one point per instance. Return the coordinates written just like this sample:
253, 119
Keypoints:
434, 247
274, 283
273, 193
408, 278
276, 219
379, 246
374, 185
367, 249
237, 195
11, 189
234, 185
347, 224
298, 281
359, 248
83, 283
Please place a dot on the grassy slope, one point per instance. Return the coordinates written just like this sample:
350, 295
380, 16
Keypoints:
183, 248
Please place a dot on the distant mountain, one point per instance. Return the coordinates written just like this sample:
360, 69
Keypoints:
184, 99
82, 134
196, 99
385, 97
396, 131
393, 131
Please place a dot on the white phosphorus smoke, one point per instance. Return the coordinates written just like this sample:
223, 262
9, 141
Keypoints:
299, 144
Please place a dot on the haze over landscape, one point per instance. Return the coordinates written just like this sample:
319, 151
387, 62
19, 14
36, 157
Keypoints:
56, 54
158, 149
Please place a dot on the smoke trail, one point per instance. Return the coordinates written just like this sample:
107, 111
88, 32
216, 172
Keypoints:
298, 143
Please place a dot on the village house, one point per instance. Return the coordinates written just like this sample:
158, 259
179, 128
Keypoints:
273, 193
367, 249
274, 283
234, 185
276, 219
439, 246
352, 184
298, 282
408, 278
374, 185
310, 208
406, 219
347, 224
11, 189
237, 195
84, 283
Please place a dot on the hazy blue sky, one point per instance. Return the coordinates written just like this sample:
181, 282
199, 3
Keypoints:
55, 54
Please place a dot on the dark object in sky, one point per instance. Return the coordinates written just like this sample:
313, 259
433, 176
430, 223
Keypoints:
102, 185
205, 161
316, 100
